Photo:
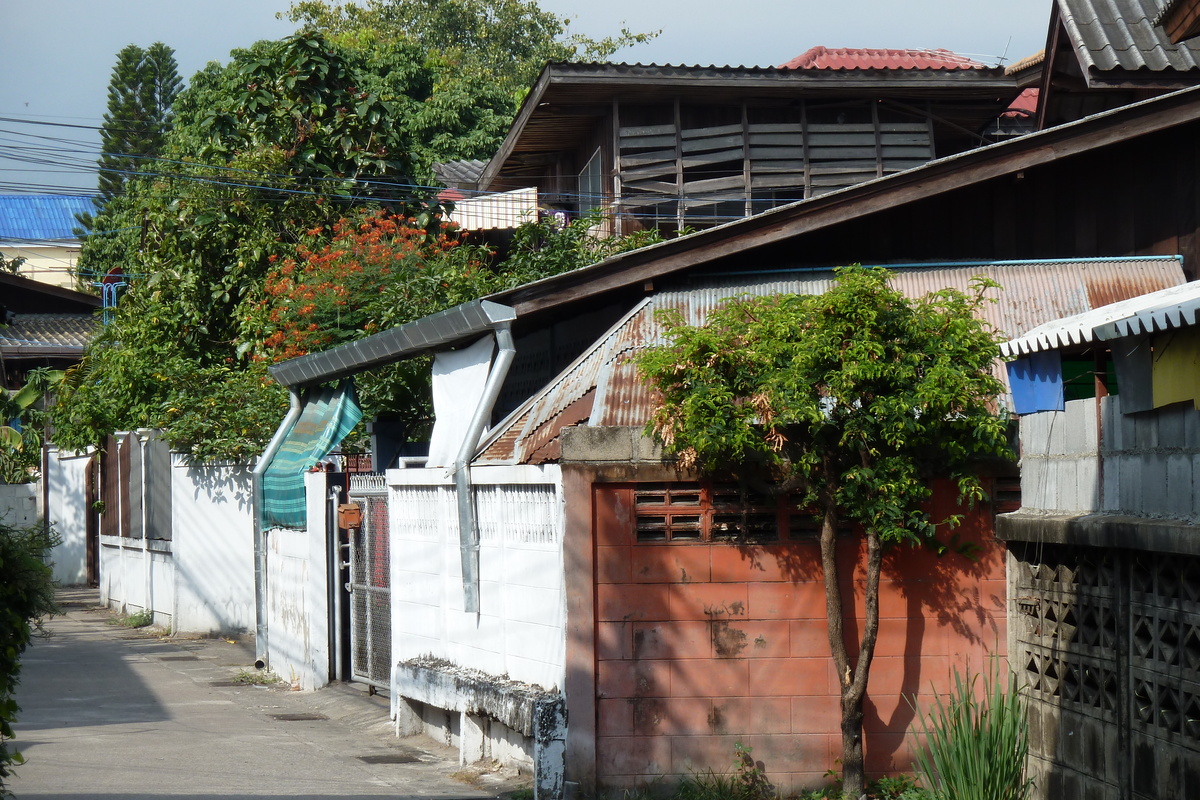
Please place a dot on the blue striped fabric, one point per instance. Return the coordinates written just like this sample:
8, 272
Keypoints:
329, 414
40, 217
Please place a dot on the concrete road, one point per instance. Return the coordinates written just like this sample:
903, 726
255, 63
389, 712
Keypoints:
110, 712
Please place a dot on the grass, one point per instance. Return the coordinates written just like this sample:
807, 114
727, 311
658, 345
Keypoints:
257, 677
138, 619
977, 740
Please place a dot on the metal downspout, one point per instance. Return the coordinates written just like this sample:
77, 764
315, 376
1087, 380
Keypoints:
468, 535
261, 659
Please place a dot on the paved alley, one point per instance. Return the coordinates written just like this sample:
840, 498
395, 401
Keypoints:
112, 712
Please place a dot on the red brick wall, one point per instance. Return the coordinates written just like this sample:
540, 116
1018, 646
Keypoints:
699, 646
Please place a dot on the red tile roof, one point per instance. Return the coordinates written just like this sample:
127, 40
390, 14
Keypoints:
872, 58
1025, 105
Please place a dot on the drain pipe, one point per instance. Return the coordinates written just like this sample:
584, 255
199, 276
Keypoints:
468, 533
261, 659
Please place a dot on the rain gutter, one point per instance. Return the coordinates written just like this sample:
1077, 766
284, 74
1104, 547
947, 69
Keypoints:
261, 659
468, 531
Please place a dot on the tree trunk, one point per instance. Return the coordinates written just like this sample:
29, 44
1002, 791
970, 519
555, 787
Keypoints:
852, 678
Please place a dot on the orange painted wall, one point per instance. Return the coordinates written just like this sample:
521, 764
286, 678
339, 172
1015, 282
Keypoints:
700, 646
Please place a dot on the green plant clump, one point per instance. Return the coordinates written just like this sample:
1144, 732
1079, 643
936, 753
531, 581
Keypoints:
977, 741
26, 599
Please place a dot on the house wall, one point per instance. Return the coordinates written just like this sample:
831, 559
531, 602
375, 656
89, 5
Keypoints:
1143, 467
519, 630
66, 484
46, 263
1105, 600
297, 603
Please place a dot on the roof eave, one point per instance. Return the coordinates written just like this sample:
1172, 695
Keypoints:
429, 334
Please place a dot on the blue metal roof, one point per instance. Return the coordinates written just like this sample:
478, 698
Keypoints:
40, 217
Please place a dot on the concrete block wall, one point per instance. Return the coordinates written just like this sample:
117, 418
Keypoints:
1144, 465
20, 504
701, 646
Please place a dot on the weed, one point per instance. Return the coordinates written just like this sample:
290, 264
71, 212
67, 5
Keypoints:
746, 780
520, 794
138, 619
258, 677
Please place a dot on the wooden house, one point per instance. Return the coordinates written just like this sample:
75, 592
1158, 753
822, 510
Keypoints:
669, 146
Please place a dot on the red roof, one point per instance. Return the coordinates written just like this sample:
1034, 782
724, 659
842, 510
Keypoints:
872, 58
1025, 105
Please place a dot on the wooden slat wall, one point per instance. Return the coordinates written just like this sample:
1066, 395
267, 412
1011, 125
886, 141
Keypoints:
696, 168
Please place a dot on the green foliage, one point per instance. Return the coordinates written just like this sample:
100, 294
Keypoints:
22, 422
744, 780
505, 41
138, 619
858, 395
11, 265
977, 739
26, 598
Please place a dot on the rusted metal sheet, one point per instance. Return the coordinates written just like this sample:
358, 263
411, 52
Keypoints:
1030, 293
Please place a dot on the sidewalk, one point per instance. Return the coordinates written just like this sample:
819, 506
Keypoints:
113, 712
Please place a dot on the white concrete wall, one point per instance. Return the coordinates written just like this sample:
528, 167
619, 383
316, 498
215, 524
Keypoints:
20, 503
138, 575
1145, 465
202, 579
520, 631
66, 481
297, 605
213, 544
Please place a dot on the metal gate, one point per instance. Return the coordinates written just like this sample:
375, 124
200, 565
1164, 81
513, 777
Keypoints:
370, 584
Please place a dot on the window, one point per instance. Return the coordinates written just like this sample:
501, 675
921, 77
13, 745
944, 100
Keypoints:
708, 511
591, 184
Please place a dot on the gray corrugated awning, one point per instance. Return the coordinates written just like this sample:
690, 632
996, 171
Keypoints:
437, 331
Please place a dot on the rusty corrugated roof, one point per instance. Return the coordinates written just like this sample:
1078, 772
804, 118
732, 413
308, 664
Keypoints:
878, 58
1031, 293
1122, 35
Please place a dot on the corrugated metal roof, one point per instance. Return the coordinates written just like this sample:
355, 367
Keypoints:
45, 217
1175, 306
1031, 293
876, 58
42, 335
1122, 34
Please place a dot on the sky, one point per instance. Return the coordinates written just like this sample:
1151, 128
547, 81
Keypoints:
56, 56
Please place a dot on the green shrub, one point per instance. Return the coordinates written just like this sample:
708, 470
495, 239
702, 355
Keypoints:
26, 598
744, 781
977, 743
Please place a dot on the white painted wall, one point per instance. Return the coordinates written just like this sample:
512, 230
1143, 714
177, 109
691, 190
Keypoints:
66, 482
213, 545
521, 628
20, 503
297, 606
202, 579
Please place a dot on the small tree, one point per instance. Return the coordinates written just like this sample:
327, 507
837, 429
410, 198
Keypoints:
854, 399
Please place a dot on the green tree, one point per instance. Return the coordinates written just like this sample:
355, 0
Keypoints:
486, 54
855, 399
143, 87
26, 597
